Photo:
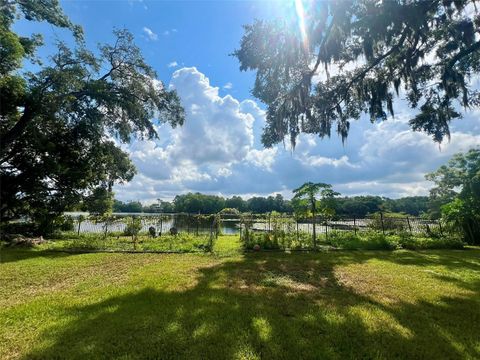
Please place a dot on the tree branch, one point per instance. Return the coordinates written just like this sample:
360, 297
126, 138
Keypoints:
372, 65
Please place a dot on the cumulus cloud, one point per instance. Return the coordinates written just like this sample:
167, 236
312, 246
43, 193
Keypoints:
219, 150
228, 86
150, 34
218, 133
172, 64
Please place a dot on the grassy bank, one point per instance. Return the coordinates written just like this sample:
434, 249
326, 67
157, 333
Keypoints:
363, 304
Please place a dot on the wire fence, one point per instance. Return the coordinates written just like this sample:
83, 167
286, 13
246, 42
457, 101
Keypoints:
198, 232
230, 224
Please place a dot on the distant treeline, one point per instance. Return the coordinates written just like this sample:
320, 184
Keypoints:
208, 204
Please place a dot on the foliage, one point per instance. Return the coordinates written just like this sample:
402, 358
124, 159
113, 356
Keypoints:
54, 122
129, 207
198, 203
308, 192
22, 228
133, 226
426, 50
67, 224
412, 205
355, 206
374, 240
393, 222
457, 185
99, 202
325, 207
229, 211
142, 242
211, 204
361, 206
368, 241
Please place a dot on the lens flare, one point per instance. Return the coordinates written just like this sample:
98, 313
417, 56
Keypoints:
301, 21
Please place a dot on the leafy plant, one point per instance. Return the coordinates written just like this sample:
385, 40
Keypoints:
133, 227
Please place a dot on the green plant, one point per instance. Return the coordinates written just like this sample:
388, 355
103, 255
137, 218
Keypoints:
133, 226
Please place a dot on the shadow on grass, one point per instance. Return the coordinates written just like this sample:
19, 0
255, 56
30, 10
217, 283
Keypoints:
8, 255
272, 306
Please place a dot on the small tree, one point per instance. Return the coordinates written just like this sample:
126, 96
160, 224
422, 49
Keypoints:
458, 187
308, 192
100, 204
134, 225
80, 219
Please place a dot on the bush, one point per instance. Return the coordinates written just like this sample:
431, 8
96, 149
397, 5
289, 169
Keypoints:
20, 228
368, 241
392, 222
377, 241
423, 243
66, 223
133, 226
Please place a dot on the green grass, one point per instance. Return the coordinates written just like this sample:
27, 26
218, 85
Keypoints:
348, 240
182, 242
229, 305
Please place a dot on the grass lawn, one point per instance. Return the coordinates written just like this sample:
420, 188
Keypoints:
180, 243
340, 304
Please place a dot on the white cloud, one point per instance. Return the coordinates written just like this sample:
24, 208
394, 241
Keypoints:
150, 34
169, 32
228, 86
218, 133
219, 151
320, 161
172, 64
262, 158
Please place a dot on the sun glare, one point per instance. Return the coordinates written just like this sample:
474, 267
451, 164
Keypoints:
301, 20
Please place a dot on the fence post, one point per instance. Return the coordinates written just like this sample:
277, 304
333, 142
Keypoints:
383, 227
296, 220
161, 224
409, 226
240, 230
354, 225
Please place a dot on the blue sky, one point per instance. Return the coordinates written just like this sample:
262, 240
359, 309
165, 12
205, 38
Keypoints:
218, 150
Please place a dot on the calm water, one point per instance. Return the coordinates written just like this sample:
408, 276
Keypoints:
183, 223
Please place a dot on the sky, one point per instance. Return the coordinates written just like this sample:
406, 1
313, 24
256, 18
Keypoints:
218, 150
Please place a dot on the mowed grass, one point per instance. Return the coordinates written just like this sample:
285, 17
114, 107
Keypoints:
229, 305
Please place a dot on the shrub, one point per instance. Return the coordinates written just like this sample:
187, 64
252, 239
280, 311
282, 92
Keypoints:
133, 226
367, 241
423, 243
391, 222
21, 228
66, 223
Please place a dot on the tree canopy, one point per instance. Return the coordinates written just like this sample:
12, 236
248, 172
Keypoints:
338, 59
61, 127
457, 186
